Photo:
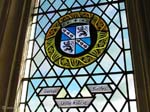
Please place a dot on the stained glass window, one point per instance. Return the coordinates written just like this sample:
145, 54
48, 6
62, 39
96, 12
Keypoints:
79, 58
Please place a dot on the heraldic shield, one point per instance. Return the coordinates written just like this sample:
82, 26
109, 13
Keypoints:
75, 39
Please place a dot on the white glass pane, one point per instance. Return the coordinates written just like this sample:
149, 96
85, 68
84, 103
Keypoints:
27, 68
21, 108
131, 86
24, 90
133, 106
124, 19
30, 49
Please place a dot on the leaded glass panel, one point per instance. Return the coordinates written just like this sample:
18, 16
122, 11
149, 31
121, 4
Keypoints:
97, 74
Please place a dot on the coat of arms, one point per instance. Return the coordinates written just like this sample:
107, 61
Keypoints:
75, 39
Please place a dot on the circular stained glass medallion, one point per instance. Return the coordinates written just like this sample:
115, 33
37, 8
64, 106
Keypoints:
76, 39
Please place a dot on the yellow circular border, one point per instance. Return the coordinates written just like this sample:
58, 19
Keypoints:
83, 60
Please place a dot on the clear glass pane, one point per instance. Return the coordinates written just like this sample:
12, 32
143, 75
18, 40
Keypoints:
24, 89
133, 106
131, 86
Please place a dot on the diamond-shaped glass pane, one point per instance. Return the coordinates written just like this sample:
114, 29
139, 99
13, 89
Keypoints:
73, 88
